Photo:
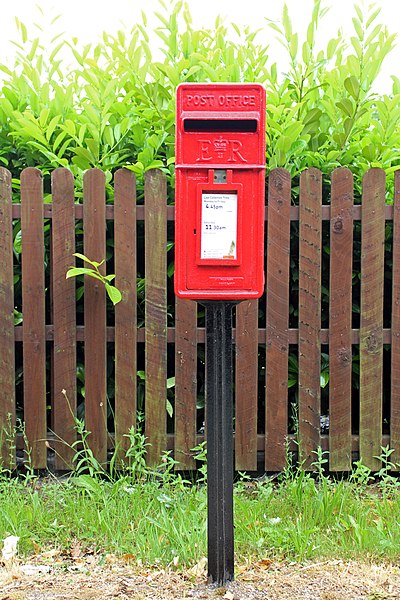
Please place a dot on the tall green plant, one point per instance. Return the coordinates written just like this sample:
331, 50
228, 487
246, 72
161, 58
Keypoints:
113, 105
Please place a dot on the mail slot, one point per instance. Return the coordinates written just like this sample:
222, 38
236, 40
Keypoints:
220, 191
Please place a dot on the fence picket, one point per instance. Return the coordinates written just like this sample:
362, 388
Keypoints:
395, 362
7, 370
340, 327
277, 316
246, 385
33, 309
125, 311
94, 227
155, 314
64, 318
309, 314
371, 318
185, 382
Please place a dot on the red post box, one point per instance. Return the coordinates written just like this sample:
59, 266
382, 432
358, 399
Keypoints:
220, 189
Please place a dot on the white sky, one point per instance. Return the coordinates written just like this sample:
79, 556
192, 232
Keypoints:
86, 19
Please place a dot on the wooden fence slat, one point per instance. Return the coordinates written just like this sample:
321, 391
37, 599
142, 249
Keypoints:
395, 362
246, 376
33, 309
371, 318
185, 382
64, 317
340, 313
309, 314
155, 313
7, 359
277, 319
125, 311
94, 227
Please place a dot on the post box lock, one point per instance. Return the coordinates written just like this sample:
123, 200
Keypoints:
220, 190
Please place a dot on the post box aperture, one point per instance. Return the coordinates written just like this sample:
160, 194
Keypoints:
220, 191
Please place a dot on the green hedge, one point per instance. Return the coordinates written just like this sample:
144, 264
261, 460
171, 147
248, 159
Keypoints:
111, 104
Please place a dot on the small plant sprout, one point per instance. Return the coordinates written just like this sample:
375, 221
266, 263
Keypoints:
93, 271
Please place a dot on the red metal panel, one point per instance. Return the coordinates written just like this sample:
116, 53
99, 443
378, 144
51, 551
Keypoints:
220, 181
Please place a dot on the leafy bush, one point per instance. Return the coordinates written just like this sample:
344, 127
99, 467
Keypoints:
111, 104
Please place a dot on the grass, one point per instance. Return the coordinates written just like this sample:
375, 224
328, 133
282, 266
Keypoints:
159, 518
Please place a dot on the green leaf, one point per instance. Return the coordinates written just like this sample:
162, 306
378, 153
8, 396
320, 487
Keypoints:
346, 106
287, 24
113, 293
75, 271
306, 53
155, 164
359, 12
83, 158
170, 408
59, 139
358, 28
18, 243
348, 125
274, 26
170, 382
357, 46
294, 45
373, 34
70, 127
85, 259
373, 17
6, 70
32, 53
313, 115
52, 125
324, 379
352, 86
18, 318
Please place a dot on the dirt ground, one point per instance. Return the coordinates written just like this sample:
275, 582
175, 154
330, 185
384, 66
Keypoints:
48, 578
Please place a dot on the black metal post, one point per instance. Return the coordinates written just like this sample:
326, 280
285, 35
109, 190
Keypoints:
219, 427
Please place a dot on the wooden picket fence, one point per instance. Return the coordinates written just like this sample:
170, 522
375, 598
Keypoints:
49, 321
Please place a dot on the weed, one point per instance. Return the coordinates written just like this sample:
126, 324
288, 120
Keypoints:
84, 460
7, 445
135, 466
387, 481
320, 462
200, 456
29, 472
361, 476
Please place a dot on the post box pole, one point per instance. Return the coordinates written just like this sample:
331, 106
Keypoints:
219, 428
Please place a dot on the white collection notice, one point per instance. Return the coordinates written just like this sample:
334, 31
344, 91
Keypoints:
218, 226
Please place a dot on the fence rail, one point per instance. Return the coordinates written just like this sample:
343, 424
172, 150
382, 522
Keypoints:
50, 334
